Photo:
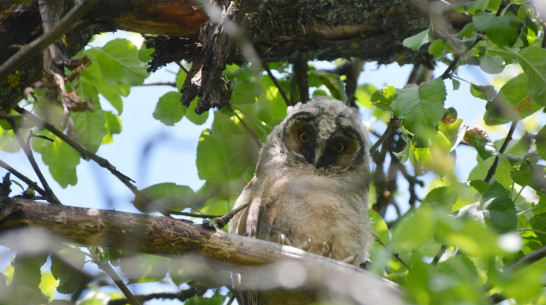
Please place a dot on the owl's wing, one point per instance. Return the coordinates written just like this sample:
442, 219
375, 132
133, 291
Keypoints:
248, 222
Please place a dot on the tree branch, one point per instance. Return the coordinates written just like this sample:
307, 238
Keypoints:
168, 236
493, 168
107, 268
24, 178
26, 52
28, 152
84, 152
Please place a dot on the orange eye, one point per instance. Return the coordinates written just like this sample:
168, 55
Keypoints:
339, 147
305, 137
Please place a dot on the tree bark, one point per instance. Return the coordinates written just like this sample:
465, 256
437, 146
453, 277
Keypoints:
279, 30
173, 237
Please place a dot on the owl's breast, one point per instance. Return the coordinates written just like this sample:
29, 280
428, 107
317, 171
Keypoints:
322, 209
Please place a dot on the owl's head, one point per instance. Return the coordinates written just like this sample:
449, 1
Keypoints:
326, 135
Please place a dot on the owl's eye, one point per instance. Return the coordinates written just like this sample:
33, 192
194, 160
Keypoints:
304, 137
338, 147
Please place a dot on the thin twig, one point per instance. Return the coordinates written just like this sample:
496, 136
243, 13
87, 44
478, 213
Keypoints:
300, 74
28, 51
84, 152
50, 196
220, 222
172, 84
24, 178
184, 295
281, 91
395, 255
528, 259
391, 127
493, 168
250, 132
119, 282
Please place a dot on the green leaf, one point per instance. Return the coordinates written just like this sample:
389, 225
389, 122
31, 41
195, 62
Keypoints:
540, 142
492, 63
512, 103
484, 92
114, 68
533, 62
364, 94
197, 119
119, 62
217, 299
169, 110
442, 196
414, 230
26, 279
383, 98
454, 132
333, 82
165, 196
479, 139
66, 267
495, 208
500, 207
502, 30
421, 106
416, 41
226, 152
439, 48
113, 126
90, 128
538, 223
59, 157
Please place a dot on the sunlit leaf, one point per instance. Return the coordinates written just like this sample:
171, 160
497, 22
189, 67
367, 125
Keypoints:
169, 110
421, 106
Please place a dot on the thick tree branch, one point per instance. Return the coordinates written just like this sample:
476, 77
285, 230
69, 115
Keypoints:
168, 236
46, 39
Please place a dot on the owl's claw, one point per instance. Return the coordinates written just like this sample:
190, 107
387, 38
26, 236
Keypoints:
283, 240
325, 249
350, 260
306, 245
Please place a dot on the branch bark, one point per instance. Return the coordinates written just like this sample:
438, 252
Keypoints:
169, 236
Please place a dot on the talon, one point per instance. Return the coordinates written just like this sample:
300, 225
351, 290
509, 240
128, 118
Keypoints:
325, 249
306, 245
350, 260
283, 240
365, 265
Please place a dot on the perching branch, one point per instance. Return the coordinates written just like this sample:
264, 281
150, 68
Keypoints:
168, 236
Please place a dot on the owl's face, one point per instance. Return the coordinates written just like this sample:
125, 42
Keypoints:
326, 135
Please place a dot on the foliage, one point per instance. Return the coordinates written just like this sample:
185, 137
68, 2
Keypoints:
458, 245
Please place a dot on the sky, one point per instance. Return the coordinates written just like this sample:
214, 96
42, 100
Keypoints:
172, 150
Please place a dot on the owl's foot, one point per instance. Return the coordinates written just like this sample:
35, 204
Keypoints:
350, 260
283, 240
306, 245
325, 249
364, 265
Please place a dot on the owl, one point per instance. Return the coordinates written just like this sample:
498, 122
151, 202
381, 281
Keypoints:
310, 188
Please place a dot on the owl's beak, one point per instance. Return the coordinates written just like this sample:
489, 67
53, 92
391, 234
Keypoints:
319, 160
